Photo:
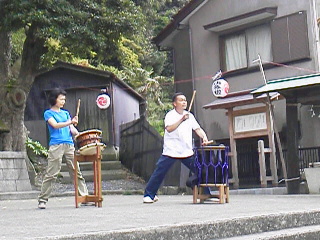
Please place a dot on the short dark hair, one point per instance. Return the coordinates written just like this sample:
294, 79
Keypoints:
174, 97
53, 95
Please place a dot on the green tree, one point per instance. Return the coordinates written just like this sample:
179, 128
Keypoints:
109, 34
158, 14
83, 28
157, 91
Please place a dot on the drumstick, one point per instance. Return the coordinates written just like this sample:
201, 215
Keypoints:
78, 109
190, 106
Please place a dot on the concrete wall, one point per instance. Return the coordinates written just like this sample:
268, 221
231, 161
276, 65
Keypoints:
38, 131
13, 172
183, 62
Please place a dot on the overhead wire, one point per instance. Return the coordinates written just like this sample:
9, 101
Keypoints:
201, 78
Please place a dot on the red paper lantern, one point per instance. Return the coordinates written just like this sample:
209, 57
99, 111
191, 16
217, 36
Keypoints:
103, 101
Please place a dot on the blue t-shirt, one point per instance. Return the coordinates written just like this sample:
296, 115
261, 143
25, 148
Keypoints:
58, 135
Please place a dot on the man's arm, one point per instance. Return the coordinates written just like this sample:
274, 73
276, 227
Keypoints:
201, 133
171, 128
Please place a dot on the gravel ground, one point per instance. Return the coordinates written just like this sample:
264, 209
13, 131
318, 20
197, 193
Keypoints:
113, 185
131, 183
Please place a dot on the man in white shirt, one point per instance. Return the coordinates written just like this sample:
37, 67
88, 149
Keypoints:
177, 146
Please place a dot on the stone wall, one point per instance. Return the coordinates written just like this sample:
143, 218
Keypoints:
13, 172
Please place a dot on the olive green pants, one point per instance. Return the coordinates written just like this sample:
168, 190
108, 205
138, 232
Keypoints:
55, 155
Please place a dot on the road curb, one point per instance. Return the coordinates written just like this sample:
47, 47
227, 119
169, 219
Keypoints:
208, 230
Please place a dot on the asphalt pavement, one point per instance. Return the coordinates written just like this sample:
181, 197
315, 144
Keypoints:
122, 215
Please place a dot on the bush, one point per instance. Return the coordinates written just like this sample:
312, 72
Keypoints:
36, 147
38, 158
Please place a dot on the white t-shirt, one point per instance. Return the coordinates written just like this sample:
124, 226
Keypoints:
178, 143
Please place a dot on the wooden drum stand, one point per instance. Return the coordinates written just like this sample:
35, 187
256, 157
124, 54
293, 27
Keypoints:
97, 194
223, 187
223, 194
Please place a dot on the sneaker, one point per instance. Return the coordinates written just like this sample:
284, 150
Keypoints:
87, 204
147, 199
42, 205
156, 199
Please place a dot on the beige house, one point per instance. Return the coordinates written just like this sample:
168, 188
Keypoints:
208, 35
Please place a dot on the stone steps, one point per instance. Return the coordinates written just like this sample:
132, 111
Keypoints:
111, 167
110, 170
114, 174
301, 233
295, 225
105, 165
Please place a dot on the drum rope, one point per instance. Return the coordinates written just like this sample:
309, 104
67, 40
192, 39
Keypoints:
203, 165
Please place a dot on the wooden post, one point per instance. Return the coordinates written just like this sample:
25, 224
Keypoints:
293, 182
233, 148
272, 146
272, 119
262, 164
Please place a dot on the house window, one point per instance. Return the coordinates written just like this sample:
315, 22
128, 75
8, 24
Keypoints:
282, 40
242, 48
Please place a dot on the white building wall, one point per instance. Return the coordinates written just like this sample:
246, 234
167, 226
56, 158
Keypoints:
126, 109
205, 45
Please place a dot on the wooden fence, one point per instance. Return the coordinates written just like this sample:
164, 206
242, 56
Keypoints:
140, 147
248, 163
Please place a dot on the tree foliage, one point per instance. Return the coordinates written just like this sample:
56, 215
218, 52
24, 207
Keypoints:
83, 27
107, 34
54, 29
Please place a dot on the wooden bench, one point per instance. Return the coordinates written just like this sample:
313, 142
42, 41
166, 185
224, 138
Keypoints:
97, 193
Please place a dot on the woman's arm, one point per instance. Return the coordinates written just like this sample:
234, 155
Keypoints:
53, 123
73, 130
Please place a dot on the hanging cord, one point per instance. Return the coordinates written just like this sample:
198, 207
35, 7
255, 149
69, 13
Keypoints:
289, 179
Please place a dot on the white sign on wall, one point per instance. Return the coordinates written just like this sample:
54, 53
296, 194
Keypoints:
250, 122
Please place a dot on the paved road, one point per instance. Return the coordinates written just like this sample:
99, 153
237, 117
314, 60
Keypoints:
20, 219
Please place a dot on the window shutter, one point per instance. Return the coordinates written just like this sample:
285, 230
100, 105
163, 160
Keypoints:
280, 40
298, 36
289, 36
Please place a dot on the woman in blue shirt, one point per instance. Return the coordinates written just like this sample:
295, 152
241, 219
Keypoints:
61, 128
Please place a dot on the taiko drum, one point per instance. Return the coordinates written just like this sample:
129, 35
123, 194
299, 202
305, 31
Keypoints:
87, 141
